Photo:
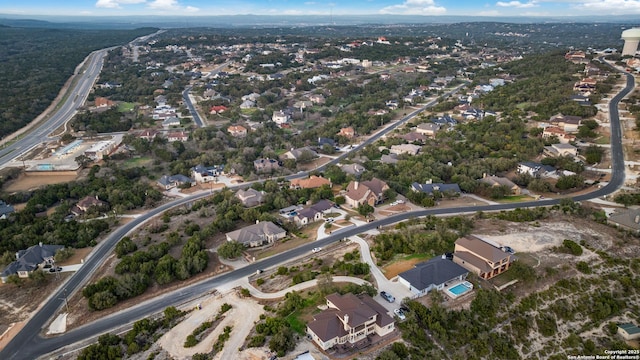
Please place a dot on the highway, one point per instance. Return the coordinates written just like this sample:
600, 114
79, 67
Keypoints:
28, 344
75, 98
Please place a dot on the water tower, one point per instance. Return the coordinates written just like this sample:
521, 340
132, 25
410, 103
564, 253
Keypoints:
631, 39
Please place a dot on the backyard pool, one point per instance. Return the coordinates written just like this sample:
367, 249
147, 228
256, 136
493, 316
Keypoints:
460, 289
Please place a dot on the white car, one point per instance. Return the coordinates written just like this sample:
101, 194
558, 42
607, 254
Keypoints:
399, 313
317, 249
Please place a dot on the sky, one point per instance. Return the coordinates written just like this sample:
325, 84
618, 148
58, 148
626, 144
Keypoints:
527, 8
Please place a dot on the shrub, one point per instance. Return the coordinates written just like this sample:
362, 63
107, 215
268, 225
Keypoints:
571, 247
583, 267
260, 281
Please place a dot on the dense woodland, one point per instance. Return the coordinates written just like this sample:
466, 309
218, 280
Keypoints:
35, 63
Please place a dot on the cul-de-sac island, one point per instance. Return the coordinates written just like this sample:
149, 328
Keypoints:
459, 189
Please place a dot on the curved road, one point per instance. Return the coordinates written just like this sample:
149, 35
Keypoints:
28, 343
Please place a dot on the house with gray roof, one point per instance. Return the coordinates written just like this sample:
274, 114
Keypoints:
628, 219
5, 209
430, 188
434, 274
306, 216
171, 181
250, 197
629, 331
27, 261
349, 319
261, 233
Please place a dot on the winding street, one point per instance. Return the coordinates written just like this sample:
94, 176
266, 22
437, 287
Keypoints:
28, 344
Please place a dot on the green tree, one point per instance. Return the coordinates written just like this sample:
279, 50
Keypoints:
231, 249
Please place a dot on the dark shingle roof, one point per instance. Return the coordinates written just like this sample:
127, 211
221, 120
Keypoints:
433, 272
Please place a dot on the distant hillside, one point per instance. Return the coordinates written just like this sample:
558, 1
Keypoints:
36, 62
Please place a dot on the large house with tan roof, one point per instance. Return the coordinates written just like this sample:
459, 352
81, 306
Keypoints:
349, 319
366, 192
481, 257
237, 131
310, 183
258, 234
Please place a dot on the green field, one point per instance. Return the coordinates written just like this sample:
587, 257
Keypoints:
515, 198
137, 162
126, 106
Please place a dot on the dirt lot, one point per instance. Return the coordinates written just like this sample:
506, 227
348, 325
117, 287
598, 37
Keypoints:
28, 181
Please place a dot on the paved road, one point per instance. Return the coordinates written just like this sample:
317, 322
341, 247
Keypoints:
28, 344
76, 96
187, 98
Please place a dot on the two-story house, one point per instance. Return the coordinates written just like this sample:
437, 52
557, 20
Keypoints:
366, 192
481, 257
349, 319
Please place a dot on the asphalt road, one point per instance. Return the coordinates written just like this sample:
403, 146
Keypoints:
187, 100
28, 344
76, 97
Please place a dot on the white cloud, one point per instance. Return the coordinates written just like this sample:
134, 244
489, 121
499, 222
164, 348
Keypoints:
415, 7
517, 4
613, 6
115, 4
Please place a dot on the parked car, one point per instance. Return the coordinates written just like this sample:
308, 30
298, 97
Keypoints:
399, 313
385, 295
316, 249
55, 269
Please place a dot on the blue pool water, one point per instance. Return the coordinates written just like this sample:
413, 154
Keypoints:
460, 289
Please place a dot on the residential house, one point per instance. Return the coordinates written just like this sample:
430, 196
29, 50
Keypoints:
434, 274
280, 117
347, 132
250, 197
204, 174
428, 129
264, 232
628, 219
5, 209
297, 154
481, 257
86, 203
535, 169
409, 149
429, 188
568, 123
181, 136
562, 135
366, 192
326, 141
148, 134
168, 182
353, 169
317, 99
495, 181
629, 331
389, 159
310, 183
27, 261
218, 109
323, 206
170, 121
349, 319
266, 165
414, 137
306, 216
251, 97
561, 150
238, 131
103, 102
248, 104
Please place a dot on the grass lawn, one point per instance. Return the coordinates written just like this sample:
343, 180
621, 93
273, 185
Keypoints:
137, 162
126, 106
515, 198
282, 246
296, 323
402, 264
603, 140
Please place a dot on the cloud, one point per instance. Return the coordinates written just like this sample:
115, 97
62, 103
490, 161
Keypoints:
619, 6
415, 7
115, 4
517, 4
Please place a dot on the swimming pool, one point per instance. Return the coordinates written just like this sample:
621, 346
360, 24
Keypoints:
460, 289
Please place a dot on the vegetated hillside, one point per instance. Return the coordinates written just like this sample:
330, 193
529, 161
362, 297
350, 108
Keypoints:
35, 63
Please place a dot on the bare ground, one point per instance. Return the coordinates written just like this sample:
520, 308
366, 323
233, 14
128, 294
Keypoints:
28, 182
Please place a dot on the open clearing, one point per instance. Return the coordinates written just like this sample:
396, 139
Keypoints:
31, 181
